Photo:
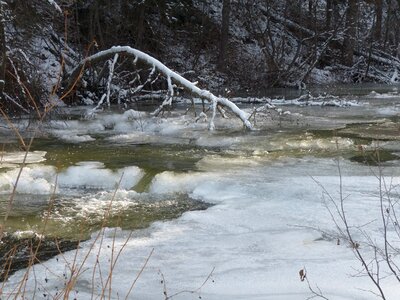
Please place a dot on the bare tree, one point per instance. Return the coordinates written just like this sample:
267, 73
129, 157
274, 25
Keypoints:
328, 14
378, 20
378, 254
3, 57
226, 8
140, 25
351, 30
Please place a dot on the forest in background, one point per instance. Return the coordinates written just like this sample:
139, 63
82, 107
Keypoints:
223, 45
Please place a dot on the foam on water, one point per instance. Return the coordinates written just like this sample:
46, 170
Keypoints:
93, 207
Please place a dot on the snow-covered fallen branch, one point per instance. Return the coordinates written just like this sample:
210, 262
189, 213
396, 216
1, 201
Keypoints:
171, 76
303, 100
379, 58
309, 100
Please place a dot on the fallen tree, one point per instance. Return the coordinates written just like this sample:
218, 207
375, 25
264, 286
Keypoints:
172, 78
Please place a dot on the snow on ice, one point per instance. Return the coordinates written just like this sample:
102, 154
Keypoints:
255, 239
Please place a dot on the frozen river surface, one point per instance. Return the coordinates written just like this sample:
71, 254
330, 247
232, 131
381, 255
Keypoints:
272, 196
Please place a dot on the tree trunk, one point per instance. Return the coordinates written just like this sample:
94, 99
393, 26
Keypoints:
388, 23
3, 58
329, 11
351, 30
140, 26
335, 13
378, 20
293, 7
98, 25
224, 34
162, 7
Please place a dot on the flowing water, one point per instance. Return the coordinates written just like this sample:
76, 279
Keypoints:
241, 202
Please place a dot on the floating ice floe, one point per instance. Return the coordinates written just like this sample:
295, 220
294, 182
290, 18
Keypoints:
75, 138
94, 175
20, 157
32, 180
389, 110
377, 95
40, 179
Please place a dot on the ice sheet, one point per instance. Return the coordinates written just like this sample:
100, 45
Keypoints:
257, 237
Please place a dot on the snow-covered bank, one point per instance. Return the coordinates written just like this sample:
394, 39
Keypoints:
256, 237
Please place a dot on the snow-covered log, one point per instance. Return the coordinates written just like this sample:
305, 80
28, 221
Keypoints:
379, 58
77, 72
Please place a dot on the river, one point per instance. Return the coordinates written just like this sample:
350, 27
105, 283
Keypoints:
227, 214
